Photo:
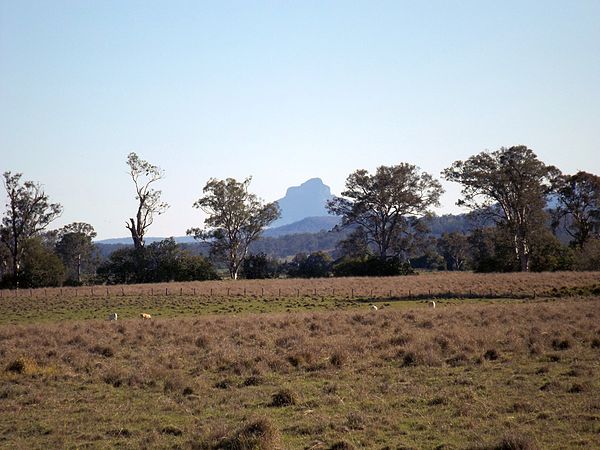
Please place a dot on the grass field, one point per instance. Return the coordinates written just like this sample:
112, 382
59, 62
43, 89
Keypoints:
314, 372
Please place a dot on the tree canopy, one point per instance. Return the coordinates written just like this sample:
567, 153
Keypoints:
578, 208
235, 218
77, 251
386, 203
144, 175
510, 185
28, 212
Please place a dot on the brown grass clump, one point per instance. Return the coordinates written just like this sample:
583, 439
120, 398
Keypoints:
342, 445
23, 365
103, 350
510, 442
258, 434
284, 397
338, 358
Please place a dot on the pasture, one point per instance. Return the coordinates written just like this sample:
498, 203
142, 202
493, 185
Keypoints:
313, 371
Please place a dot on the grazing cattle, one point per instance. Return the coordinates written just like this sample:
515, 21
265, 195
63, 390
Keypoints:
112, 316
431, 304
373, 307
145, 316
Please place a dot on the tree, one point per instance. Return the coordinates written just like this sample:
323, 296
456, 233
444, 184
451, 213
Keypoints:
578, 206
492, 249
144, 175
28, 212
235, 219
354, 246
510, 185
41, 267
385, 204
76, 249
588, 258
454, 248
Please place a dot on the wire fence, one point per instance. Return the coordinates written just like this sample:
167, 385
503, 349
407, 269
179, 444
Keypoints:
262, 293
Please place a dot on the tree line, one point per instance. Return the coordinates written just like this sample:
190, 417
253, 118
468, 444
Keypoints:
518, 206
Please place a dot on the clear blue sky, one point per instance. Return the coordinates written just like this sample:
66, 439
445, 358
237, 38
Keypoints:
285, 91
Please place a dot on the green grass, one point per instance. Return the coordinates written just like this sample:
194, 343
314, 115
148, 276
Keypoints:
55, 308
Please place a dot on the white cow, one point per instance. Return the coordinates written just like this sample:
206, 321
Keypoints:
373, 307
145, 316
431, 304
112, 316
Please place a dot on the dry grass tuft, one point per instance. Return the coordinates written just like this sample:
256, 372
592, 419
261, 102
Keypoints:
510, 442
284, 397
258, 434
23, 365
342, 445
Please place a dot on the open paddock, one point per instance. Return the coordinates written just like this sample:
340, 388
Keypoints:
473, 375
424, 284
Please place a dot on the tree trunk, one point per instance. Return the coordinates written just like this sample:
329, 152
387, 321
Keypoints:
522, 250
138, 240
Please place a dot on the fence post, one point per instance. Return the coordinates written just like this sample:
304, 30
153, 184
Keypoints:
244, 292
298, 293
333, 292
75, 292
262, 291
107, 292
167, 291
352, 295
279, 293
180, 291
534, 293
228, 289
409, 294
92, 289
390, 293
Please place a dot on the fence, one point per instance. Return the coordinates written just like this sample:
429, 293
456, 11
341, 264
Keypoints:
228, 292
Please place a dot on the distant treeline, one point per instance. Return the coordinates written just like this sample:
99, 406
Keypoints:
525, 216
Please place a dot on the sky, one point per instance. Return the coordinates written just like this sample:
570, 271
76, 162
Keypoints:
284, 91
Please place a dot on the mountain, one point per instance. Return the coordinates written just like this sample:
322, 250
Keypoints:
306, 225
306, 200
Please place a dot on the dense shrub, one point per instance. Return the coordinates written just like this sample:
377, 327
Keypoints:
158, 262
260, 266
315, 265
372, 267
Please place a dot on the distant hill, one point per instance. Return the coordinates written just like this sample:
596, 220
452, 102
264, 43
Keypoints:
306, 200
306, 225
149, 240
